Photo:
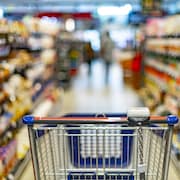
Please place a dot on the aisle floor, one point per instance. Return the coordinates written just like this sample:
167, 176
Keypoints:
92, 94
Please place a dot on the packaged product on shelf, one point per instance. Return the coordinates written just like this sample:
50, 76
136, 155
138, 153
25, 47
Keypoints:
19, 28
174, 46
47, 42
32, 23
49, 26
171, 25
23, 58
20, 97
8, 157
34, 43
4, 45
41, 41
3, 96
4, 73
35, 71
4, 26
22, 143
21, 61
172, 104
18, 35
48, 56
5, 121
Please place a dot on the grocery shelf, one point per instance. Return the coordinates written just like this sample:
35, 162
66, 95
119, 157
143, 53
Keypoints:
162, 58
165, 54
162, 67
31, 50
18, 124
163, 36
4, 96
161, 84
19, 47
26, 83
21, 164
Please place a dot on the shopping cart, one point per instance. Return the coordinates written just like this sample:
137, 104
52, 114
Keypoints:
101, 147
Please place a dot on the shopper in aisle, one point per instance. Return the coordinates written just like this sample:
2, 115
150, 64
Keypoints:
107, 46
89, 55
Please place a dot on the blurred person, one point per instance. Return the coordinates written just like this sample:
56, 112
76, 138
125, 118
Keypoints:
107, 46
89, 55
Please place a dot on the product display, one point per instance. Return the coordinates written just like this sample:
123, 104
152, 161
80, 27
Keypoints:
8, 157
162, 70
26, 75
161, 92
70, 54
4, 44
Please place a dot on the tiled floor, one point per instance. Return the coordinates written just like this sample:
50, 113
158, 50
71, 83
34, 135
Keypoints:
93, 95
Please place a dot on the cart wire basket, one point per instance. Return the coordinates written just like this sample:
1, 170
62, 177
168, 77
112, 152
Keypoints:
132, 146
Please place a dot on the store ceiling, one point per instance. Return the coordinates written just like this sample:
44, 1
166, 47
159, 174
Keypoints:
69, 5
66, 5
68, 2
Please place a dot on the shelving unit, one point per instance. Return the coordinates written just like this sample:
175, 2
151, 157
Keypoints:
162, 75
70, 54
161, 91
21, 164
26, 83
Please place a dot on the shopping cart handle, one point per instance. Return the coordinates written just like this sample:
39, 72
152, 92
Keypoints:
30, 120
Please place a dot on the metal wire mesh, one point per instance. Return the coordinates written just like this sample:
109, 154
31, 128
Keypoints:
96, 152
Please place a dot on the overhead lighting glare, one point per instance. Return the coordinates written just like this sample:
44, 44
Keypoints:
70, 25
114, 10
49, 19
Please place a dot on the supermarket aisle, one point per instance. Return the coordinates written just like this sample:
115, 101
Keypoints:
93, 95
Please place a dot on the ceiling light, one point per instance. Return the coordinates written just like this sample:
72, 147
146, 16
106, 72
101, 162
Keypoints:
114, 10
70, 25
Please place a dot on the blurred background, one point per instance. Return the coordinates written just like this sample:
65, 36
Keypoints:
61, 56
